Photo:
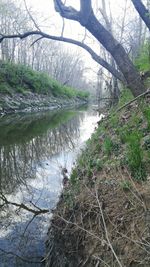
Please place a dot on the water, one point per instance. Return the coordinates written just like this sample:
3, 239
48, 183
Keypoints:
33, 150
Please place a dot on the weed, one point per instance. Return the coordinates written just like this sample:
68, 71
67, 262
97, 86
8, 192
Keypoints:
146, 113
113, 121
74, 177
135, 156
125, 97
107, 146
126, 185
142, 61
68, 198
123, 133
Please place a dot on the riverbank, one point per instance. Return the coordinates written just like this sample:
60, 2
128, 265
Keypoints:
23, 89
33, 102
102, 218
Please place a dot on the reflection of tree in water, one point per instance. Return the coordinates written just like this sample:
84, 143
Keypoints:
23, 146
19, 157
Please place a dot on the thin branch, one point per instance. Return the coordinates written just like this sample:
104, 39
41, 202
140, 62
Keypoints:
97, 58
30, 16
38, 39
63, 27
85, 35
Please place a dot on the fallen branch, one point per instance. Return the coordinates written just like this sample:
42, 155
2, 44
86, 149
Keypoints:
133, 100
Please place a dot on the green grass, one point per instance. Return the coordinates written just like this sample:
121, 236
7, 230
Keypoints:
22, 79
142, 62
125, 97
107, 146
146, 112
135, 156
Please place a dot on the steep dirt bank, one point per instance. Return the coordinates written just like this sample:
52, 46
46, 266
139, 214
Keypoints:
29, 102
103, 216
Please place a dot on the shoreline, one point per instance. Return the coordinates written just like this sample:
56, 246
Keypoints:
32, 102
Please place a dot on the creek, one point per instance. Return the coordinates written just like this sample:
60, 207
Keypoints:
33, 150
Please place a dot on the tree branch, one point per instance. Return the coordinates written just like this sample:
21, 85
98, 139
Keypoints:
85, 11
30, 16
66, 12
143, 11
97, 58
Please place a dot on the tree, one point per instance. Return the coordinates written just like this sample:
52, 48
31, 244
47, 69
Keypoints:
88, 20
143, 11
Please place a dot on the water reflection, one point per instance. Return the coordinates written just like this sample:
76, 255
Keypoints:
33, 148
23, 143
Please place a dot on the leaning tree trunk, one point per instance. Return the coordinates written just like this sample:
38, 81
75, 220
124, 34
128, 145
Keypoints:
143, 11
131, 75
88, 20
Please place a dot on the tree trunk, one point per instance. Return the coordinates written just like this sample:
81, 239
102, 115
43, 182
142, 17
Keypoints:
88, 20
132, 77
143, 11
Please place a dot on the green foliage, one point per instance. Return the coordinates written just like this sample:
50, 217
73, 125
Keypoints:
123, 133
68, 197
142, 62
135, 156
125, 97
107, 146
5, 88
21, 78
113, 121
146, 112
74, 177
